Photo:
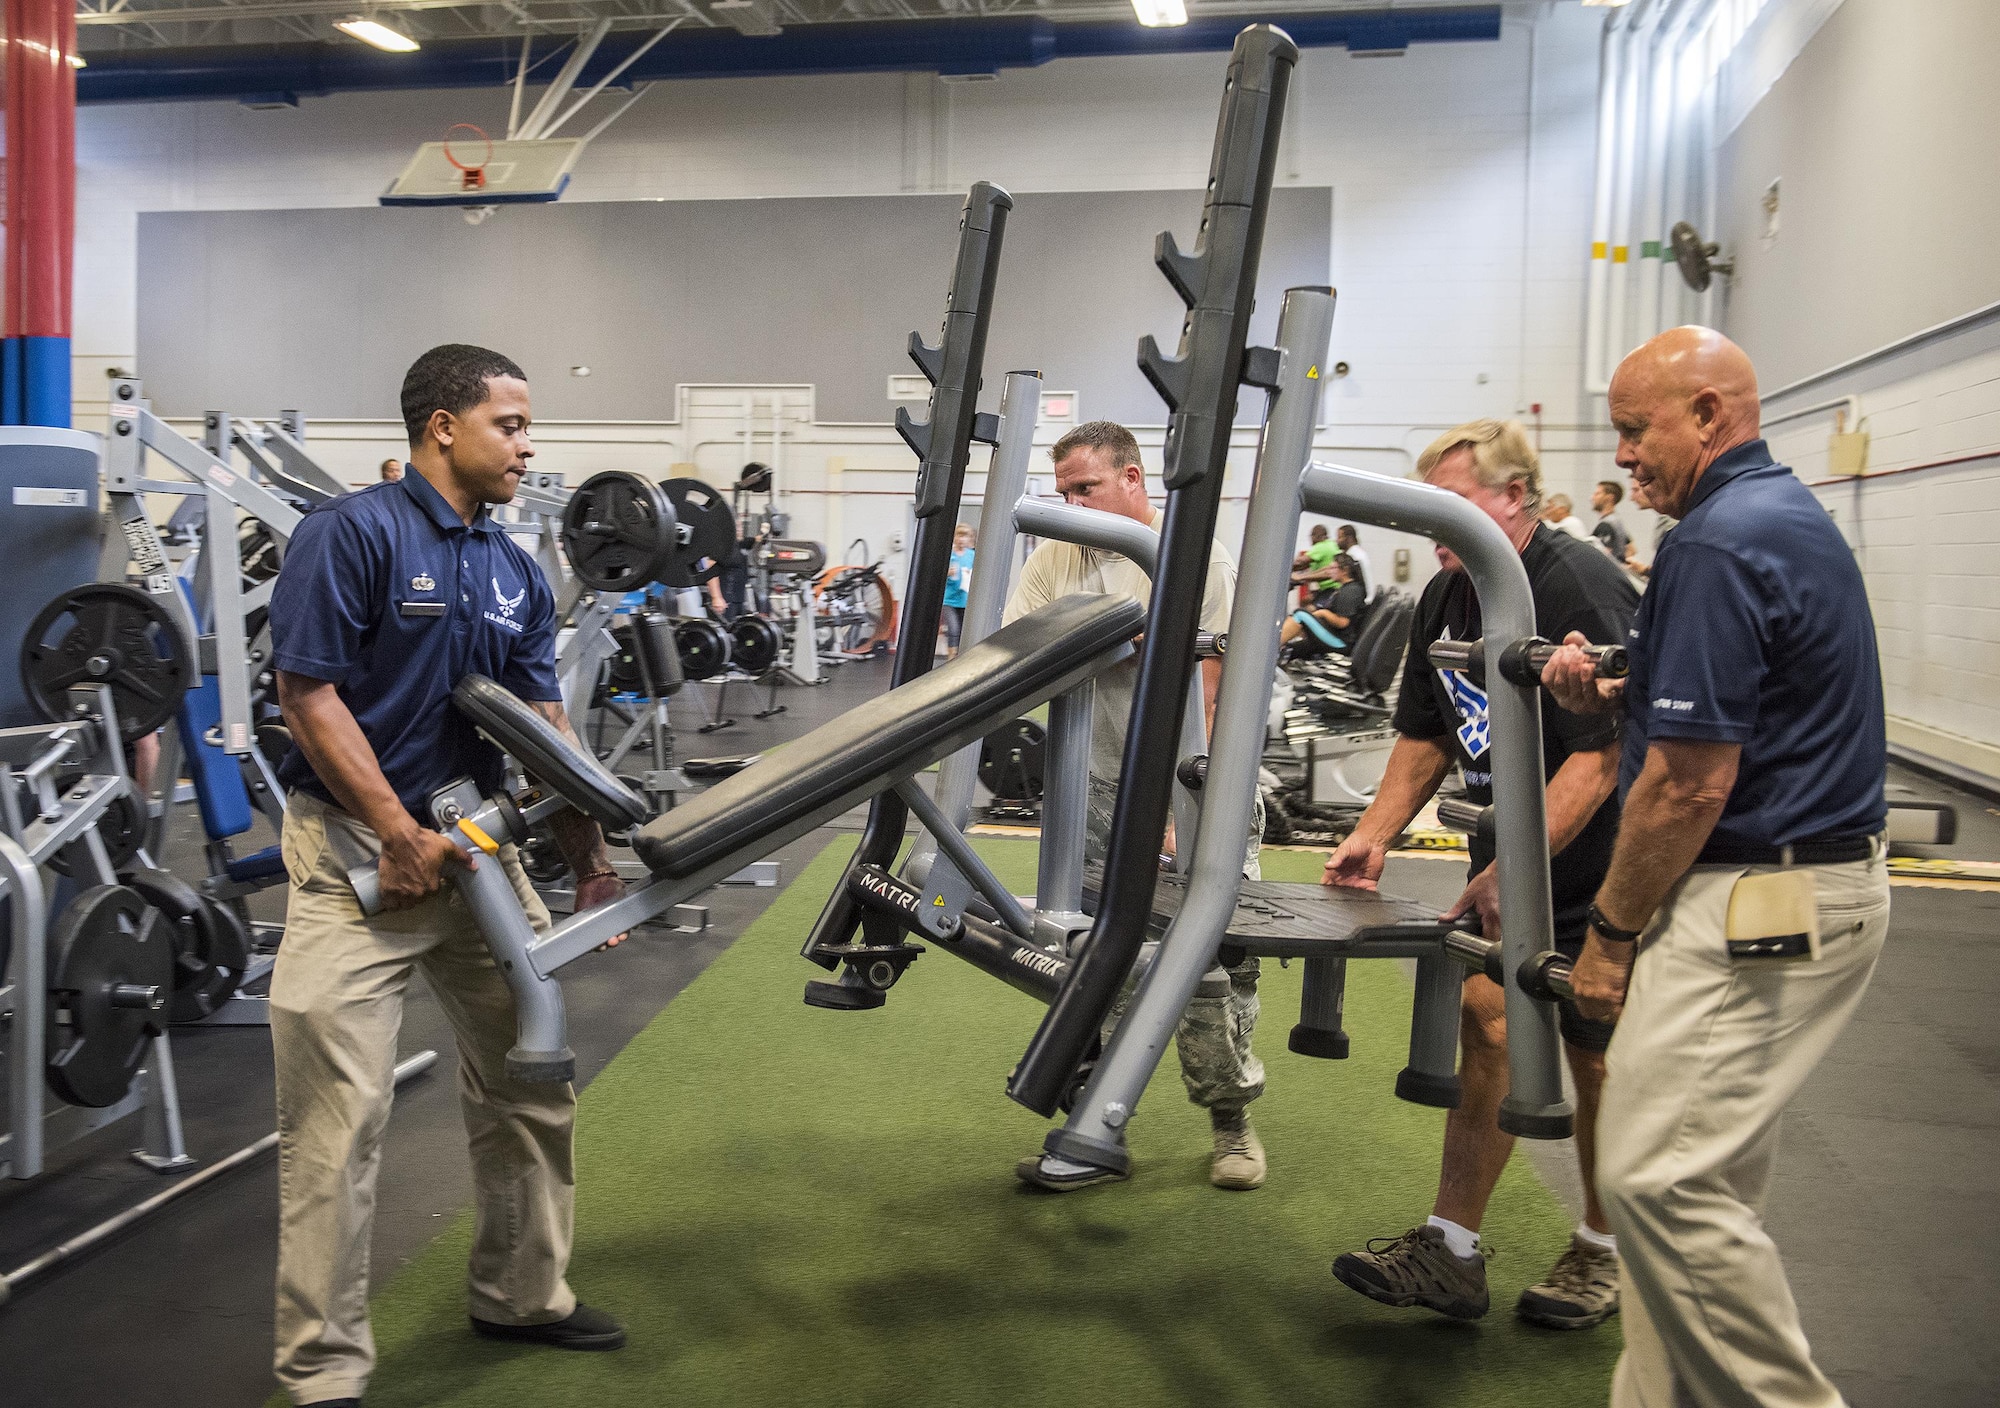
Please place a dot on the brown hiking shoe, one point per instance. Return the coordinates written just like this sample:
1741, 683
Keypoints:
1580, 1290
1239, 1155
1417, 1268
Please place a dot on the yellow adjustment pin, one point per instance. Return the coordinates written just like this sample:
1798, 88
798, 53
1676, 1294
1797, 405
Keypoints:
477, 837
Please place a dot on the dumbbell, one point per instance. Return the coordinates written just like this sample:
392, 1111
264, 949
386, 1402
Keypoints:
1545, 977
1522, 662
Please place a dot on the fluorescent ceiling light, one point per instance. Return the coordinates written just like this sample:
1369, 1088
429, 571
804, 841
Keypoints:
1157, 14
380, 35
1605, 4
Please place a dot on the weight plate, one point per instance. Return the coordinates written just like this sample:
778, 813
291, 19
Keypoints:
703, 647
543, 859
111, 965
706, 532
211, 946
625, 675
755, 644
123, 827
105, 633
618, 531
1012, 760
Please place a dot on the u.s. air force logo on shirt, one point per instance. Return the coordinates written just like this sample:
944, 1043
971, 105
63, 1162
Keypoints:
1469, 702
506, 607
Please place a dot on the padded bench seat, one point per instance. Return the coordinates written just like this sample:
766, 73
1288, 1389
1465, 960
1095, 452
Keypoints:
820, 775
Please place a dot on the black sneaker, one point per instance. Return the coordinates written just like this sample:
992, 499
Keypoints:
1580, 1290
1417, 1268
584, 1329
1056, 1175
334, 1403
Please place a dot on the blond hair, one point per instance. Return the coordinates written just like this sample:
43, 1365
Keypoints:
1501, 454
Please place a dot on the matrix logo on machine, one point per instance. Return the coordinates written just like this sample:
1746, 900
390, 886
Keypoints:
1047, 964
508, 605
1469, 700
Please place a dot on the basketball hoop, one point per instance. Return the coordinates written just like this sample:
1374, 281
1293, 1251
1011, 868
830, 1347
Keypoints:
471, 177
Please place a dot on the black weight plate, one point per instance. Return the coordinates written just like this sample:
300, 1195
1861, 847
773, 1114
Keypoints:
1013, 759
625, 675
108, 937
618, 531
211, 947
704, 648
706, 530
123, 827
755, 644
105, 633
543, 859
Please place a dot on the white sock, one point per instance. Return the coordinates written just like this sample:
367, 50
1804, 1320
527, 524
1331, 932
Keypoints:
1463, 1241
1591, 1237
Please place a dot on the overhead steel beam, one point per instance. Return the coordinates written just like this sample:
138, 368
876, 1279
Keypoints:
970, 45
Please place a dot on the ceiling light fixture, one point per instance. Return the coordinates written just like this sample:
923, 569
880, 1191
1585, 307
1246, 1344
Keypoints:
380, 35
1160, 14
1605, 4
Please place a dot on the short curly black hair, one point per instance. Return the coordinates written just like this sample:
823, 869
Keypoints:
450, 378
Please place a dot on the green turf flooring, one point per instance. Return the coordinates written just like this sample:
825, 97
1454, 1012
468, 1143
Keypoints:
795, 1207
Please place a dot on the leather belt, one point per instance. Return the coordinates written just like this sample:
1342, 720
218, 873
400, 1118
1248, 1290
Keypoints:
1813, 850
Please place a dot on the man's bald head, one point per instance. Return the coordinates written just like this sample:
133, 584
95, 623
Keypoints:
1679, 403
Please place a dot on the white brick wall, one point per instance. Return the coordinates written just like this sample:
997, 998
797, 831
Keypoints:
1925, 538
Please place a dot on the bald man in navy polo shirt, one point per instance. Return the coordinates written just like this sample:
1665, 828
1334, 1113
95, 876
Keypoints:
388, 598
1748, 895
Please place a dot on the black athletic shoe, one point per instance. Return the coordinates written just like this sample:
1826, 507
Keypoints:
334, 1403
1061, 1176
1417, 1268
585, 1329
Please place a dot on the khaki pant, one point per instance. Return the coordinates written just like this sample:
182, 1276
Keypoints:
336, 1005
1708, 1053
1218, 1067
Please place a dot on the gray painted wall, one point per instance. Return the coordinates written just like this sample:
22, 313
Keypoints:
324, 309
1882, 134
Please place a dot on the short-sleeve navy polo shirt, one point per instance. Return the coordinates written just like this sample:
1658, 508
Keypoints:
390, 595
1755, 630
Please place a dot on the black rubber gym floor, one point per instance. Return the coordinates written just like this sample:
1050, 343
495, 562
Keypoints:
1887, 1170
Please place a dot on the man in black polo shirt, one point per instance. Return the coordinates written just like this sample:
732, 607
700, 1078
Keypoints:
1441, 720
1750, 879
388, 598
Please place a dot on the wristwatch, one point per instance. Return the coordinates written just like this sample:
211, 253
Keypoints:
1607, 929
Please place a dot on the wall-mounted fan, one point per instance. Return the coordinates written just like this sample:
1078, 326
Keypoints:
1697, 261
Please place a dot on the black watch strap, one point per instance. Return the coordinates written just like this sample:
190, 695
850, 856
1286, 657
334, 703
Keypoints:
1609, 930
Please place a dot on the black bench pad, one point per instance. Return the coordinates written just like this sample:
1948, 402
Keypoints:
546, 754
904, 731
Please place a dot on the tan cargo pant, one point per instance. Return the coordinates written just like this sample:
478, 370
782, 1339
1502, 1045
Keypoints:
1708, 1053
336, 1005
1213, 1039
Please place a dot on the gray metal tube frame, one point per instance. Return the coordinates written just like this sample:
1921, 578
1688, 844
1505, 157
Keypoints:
1534, 1107
1093, 1133
28, 918
985, 602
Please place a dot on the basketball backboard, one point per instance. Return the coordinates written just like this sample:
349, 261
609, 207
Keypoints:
470, 170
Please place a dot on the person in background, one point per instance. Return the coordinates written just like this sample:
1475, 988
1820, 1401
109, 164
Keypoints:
1098, 467
1313, 567
1333, 616
1747, 900
392, 471
957, 582
1556, 513
1441, 721
729, 588
1609, 531
1349, 542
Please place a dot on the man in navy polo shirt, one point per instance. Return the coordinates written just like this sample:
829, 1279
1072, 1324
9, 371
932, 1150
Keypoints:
388, 597
1749, 879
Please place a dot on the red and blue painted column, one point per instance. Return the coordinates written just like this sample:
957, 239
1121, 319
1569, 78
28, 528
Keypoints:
39, 83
